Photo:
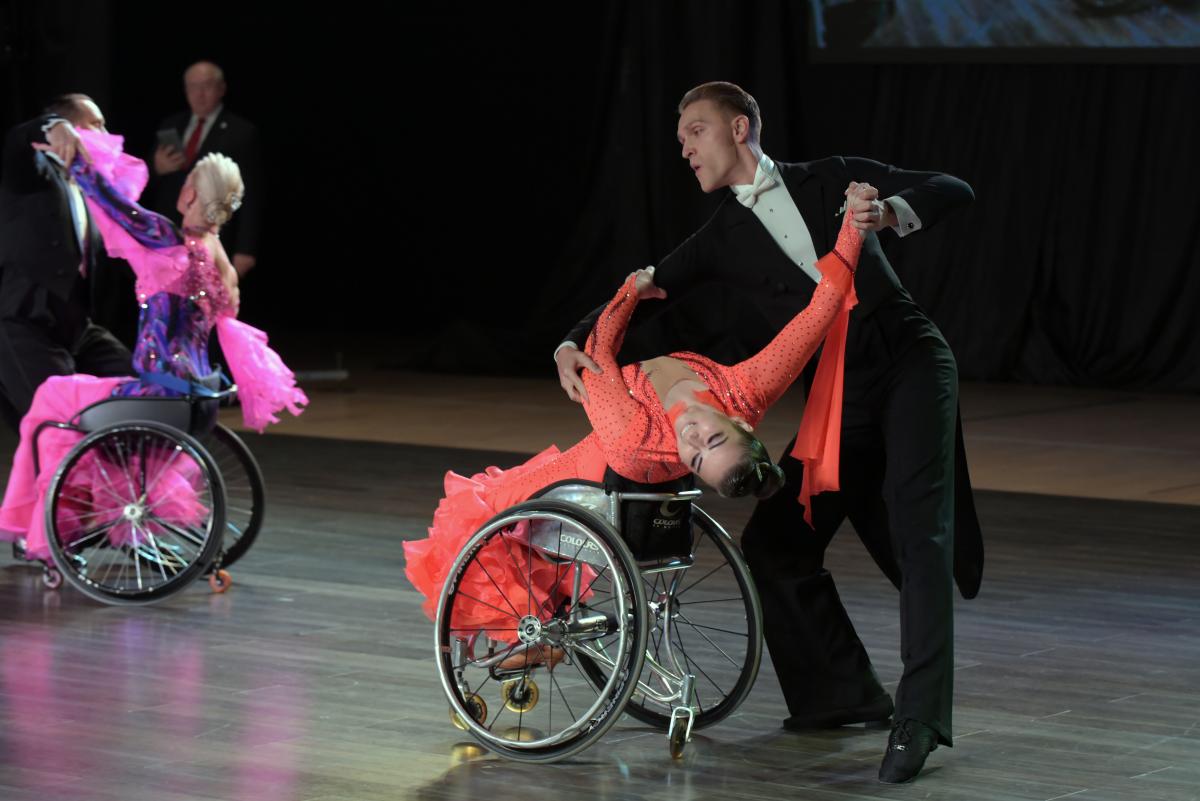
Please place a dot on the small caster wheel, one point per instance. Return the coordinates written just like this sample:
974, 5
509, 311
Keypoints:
677, 741
219, 580
520, 695
680, 730
51, 578
476, 706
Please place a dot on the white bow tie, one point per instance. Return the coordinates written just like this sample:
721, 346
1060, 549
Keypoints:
747, 195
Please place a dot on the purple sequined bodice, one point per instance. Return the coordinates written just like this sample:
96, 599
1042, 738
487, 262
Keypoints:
173, 329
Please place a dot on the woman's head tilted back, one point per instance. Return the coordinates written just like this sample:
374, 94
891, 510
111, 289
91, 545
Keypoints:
215, 187
752, 474
725, 454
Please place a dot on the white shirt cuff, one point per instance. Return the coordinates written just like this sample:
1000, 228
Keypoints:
907, 221
53, 121
567, 344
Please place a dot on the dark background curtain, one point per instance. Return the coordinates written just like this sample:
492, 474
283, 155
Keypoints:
459, 186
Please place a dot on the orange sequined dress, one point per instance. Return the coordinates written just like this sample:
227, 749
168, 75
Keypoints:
631, 433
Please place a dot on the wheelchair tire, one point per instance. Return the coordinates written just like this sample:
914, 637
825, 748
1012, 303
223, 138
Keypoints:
546, 625
245, 492
134, 513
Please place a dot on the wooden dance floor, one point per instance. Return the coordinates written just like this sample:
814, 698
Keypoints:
1078, 667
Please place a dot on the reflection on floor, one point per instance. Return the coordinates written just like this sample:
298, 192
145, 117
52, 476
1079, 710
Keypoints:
312, 678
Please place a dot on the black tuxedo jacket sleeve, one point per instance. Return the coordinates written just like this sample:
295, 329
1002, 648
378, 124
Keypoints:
37, 230
237, 138
734, 250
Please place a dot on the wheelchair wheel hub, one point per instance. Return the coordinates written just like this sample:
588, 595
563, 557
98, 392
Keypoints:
529, 630
134, 512
666, 606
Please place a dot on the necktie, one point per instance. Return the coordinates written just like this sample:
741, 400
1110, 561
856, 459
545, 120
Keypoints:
193, 142
747, 195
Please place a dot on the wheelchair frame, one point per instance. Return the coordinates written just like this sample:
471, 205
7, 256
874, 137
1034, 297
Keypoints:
666, 678
182, 419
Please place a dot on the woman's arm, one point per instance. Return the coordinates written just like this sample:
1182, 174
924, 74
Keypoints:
229, 276
610, 407
677, 272
148, 241
773, 369
149, 229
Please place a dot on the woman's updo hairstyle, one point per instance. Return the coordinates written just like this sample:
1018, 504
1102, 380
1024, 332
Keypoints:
219, 188
754, 473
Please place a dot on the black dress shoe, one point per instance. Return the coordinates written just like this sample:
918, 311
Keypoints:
876, 711
910, 742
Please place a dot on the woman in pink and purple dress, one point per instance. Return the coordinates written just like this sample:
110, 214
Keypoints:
186, 287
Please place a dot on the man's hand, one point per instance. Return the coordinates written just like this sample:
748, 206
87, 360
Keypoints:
862, 200
243, 263
571, 362
168, 159
64, 142
645, 285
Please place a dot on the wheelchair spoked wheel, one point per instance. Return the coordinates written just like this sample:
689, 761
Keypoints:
706, 621
245, 492
536, 591
134, 513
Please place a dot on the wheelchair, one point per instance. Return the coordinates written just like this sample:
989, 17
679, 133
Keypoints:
155, 495
634, 601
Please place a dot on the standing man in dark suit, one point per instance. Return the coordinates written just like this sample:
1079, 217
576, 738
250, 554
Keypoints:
210, 128
903, 481
48, 257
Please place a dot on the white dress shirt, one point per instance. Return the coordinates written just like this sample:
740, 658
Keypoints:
776, 210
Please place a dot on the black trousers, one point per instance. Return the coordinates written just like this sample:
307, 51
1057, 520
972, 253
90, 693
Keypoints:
897, 489
41, 336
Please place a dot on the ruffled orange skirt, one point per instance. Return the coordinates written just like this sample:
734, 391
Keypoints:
504, 574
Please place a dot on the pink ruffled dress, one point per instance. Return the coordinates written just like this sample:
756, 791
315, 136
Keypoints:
183, 298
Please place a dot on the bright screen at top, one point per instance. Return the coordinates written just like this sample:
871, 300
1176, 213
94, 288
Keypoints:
1092, 30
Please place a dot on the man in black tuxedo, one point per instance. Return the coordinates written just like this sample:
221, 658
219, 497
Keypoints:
903, 479
49, 251
208, 127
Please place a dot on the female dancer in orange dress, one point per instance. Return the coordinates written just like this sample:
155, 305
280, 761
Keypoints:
653, 422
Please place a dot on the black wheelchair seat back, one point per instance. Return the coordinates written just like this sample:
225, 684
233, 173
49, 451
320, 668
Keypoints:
174, 412
190, 414
654, 529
